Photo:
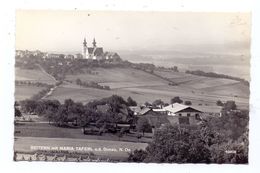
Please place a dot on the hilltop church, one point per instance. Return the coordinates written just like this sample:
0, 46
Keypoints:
96, 53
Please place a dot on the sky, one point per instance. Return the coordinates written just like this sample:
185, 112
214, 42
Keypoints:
64, 31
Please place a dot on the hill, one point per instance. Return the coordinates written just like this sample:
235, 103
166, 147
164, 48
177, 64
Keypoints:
26, 91
143, 86
33, 75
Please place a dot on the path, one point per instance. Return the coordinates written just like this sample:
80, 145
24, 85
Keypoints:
53, 88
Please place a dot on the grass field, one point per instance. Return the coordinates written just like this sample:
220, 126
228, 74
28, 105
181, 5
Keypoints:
26, 92
43, 134
34, 129
35, 75
119, 77
142, 87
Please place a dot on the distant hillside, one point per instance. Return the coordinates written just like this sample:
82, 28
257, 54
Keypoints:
119, 77
144, 86
237, 65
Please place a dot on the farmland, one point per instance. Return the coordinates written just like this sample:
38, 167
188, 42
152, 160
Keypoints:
42, 134
26, 92
119, 77
44, 130
143, 86
33, 75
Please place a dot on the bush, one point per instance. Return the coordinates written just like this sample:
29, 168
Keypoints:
219, 103
137, 156
176, 100
187, 102
131, 102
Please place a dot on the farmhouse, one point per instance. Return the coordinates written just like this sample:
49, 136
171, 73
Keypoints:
210, 110
147, 111
182, 114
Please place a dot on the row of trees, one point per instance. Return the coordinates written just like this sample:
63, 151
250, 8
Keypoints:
216, 75
70, 111
32, 83
158, 103
91, 85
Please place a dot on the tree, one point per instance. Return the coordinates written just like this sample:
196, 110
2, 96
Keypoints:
28, 106
131, 102
158, 102
175, 69
173, 144
166, 104
137, 156
143, 125
219, 103
121, 133
78, 82
17, 112
232, 124
187, 102
230, 105
147, 104
176, 100
231, 151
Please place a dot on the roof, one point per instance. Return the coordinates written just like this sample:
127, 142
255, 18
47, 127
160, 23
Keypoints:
207, 109
145, 110
159, 110
136, 109
176, 107
98, 51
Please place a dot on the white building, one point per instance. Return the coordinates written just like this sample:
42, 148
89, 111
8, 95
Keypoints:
182, 114
93, 53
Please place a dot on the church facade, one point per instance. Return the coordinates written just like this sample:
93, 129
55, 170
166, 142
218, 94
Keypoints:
92, 53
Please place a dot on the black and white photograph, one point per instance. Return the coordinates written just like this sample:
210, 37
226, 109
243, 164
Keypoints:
132, 86
117, 86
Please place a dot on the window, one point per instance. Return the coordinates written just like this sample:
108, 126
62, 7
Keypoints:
188, 115
197, 116
180, 115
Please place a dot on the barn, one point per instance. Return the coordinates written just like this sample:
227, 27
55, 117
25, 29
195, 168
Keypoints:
183, 114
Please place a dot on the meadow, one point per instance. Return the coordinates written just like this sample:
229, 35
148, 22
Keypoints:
25, 92
33, 75
143, 86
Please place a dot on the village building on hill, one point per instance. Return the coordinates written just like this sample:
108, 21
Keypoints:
97, 53
93, 53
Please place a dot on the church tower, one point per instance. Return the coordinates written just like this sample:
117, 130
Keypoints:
93, 56
85, 49
94, 43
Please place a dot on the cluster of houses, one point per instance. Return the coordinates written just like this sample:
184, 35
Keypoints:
176, 114
90, 53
